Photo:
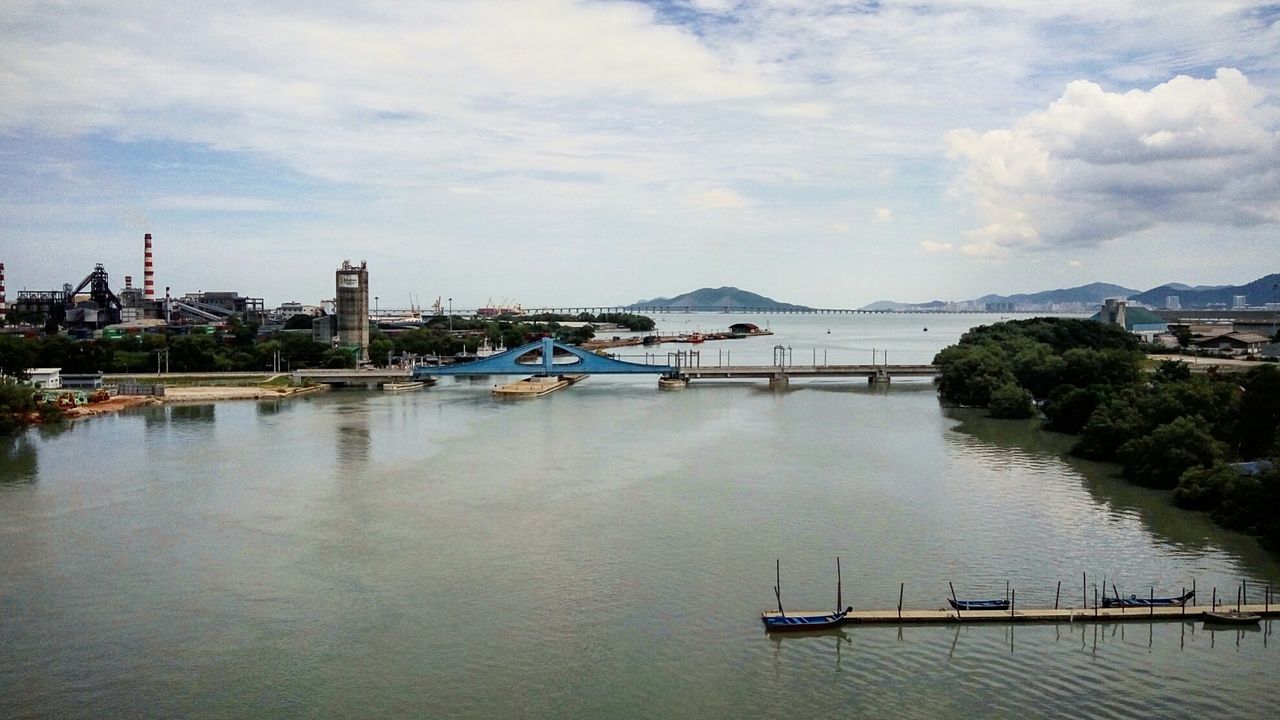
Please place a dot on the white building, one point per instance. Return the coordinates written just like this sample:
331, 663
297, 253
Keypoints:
1239, 302
45, 378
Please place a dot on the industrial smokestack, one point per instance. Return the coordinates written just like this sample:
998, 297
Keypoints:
148, 270
128, 282
3, 307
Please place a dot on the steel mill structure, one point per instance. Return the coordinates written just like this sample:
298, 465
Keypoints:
352, 306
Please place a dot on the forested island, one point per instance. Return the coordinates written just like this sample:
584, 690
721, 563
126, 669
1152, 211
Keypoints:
1198, 435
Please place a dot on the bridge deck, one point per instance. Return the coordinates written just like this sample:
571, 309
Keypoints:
806, 371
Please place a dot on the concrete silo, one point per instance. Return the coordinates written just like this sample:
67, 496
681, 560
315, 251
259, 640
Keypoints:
352, 308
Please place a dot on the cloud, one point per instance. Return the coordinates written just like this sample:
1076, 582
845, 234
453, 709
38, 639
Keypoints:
1074, 263
218, 203
933, 247
1097, 165
881, 215
718, 199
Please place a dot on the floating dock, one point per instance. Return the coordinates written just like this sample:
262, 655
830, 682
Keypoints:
945, 616
536, 386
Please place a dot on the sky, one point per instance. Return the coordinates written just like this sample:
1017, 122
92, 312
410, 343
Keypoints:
600, 152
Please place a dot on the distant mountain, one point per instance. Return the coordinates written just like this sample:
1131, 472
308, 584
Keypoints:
1263, 290
891, 305
716, 299
1092, 294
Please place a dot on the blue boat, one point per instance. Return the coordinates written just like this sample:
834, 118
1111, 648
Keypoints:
979, 604
959, 605
783, 622
1135, 601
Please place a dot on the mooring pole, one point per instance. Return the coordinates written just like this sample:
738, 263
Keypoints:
1152, 600
1184, 600
1006, 591
1095, 601
1237, 599
1013, 599
1057, 595
1084, 590
1215, 598
901, 587
1244, 587
953, 598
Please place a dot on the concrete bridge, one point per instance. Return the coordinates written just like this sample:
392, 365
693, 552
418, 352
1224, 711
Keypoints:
370, 377
547, 357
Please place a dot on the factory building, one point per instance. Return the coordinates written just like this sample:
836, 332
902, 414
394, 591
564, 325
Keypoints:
352, 306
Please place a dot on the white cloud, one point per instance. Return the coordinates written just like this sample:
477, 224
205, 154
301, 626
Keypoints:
1097, 165
718, 199
881, 215
934, 247
221, 203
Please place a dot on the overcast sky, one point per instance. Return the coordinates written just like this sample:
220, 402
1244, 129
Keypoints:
554, 152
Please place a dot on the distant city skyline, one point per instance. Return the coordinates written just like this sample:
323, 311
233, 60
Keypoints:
565, 152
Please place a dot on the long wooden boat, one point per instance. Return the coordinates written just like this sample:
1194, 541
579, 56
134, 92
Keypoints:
782, 622
979, 604
1135, 601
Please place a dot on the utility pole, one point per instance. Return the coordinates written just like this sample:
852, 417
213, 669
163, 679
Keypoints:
450, 314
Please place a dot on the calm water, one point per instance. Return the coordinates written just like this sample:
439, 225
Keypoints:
602, 552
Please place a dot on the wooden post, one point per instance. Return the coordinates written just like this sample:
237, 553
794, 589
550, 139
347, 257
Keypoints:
1215, 598
1152, 600
1244, 588
1267, 606
1095, 601
1184, 601
1006, 591
953, 597
1237, 599
1057, 595
901, 587
1084, 590
1193, 587
1013, 600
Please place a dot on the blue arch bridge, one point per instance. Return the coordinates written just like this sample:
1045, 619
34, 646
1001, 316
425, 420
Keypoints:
555, 359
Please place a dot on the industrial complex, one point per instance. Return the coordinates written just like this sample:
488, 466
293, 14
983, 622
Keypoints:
93, 308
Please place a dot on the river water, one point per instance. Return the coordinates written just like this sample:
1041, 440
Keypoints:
601, 552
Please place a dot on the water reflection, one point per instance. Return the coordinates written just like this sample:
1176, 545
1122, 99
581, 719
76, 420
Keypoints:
180, 414
352, 440
19, 459
1024, 446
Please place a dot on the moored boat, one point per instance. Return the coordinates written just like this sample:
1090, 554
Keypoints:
1134, 601
978, 604
780, 621
1230, 617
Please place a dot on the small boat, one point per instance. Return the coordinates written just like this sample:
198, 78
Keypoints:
1135, 601
979, 604
1230, 617
781, 621
976, 604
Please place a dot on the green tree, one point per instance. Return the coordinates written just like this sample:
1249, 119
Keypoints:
1259, 412
1160, 458
1010, 401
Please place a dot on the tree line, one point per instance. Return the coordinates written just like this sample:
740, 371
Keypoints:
1167, 427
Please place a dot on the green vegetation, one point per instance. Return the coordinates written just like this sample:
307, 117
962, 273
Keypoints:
1168, 428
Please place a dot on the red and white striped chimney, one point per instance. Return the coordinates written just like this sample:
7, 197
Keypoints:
148, 271
3, 306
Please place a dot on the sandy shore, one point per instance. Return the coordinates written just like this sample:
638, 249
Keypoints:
204, 393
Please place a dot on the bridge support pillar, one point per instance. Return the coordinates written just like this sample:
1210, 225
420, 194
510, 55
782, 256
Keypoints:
880, 378
779, 382
672, 383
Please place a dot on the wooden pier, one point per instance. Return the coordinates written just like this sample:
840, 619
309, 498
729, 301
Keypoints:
945, 616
